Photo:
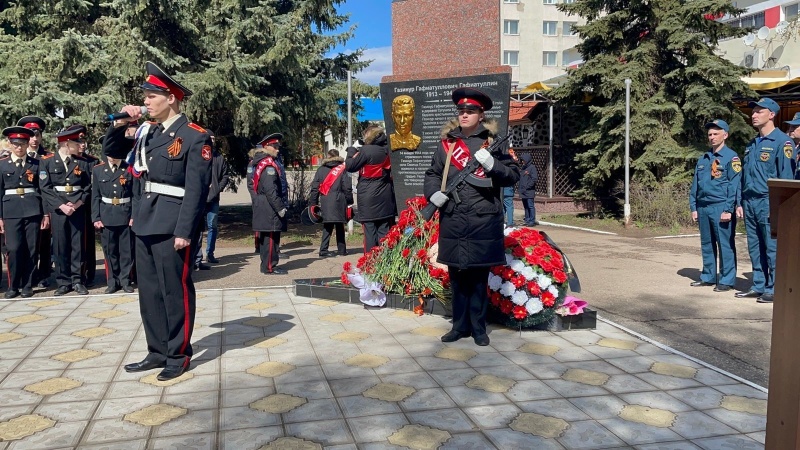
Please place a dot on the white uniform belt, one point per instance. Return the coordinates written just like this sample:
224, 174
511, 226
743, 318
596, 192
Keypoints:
20, 191
165, 189
115, 200
68, 189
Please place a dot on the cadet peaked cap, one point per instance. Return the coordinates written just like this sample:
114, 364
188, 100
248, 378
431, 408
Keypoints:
471, 99
32, 122
718, 123
17, 133
274, 138
71, 133
795, 120
766, 102
158, 80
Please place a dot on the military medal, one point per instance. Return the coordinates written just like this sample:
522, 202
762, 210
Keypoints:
175, 147
77, 171
29, 176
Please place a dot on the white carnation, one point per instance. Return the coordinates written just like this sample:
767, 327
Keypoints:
544, 281
516, 265
519, 297
509, 259
553, 290
528, 273
534, 305
507, 288
508, 230
495, 282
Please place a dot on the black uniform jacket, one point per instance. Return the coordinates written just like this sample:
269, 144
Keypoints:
334, 205
471, 232
268, 197
375, 191
179, 157
112, 185
77, 179
20, 205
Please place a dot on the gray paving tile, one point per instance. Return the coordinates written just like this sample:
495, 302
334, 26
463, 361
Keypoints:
656, 399
760, 436
192, 423
203, 400
68, 412
423, 399
308, 389
18, 396
63, 434
620, 384
138, 444
318, 409
666, 383
699, 398
588, 435
492, 416
742, 390
249, 438
506, 438
738, 442
396, 366
677, 445
453, 420
10, 412
638, 433
456, 377
742, 422
559, 408
512, 372
111, 430
205, 441
418, 380
376, 428
242, 380
546, 371
464, 396
695, 424
245, 417
467, 441
528, 390
632, 364
713, 378
433, 363
117, 408
360, 406
603, 407
569, 389
352, 386
569, 354
326, 432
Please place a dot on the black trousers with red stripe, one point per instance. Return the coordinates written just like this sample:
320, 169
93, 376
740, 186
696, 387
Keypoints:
269, 243
118, 251
68, 245
166, 298
21, 238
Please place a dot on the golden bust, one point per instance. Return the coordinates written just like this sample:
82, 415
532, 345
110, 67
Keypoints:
403, 118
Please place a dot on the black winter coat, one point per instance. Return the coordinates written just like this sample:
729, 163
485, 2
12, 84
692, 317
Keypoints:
334, 205
528, 177
375, 188
471, 232
268, 197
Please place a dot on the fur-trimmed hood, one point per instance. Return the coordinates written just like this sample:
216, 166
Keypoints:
333, 161
378, 138
489, 125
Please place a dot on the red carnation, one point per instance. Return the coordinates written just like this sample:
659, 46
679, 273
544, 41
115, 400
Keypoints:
520, 312
422, 254
495, 298
347, 266
533, 288
548, 299
518, 281
559, 276
345, 281
519, 252
406, 252
506, 306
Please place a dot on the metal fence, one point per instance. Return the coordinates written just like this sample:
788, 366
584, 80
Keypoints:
564, 173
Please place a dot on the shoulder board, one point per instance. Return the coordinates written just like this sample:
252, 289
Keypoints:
48, 156
196, 127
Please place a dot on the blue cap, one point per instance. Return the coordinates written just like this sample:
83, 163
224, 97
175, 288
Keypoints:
718, 123
795, 120
766, 102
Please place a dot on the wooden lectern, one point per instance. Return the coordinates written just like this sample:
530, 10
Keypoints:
783, 407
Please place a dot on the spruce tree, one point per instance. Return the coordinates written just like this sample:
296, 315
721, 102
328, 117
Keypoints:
666, 47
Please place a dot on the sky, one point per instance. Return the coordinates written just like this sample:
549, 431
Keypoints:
373, 34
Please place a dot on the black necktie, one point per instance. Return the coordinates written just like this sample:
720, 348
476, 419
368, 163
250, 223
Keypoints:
19, 163
113, 168
67, 161
159, 130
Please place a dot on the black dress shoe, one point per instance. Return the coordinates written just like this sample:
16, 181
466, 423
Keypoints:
722, 288
170, 372
143, 365
27, 292
63, 290
111, 289
212, 259
11, 293
201, 266
128, 288
327, 254
344, 253
43, 284
80, 289
454, 335
700, 283
483, 341
766, 298
749, 294
276, 271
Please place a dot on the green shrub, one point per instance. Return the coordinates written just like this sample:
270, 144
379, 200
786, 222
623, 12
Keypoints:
665, 205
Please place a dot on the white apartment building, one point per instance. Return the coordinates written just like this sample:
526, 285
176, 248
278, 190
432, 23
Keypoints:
537, 40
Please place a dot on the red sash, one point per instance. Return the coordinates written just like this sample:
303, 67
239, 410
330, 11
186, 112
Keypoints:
376, 170
461, 155
260, 168
333, 175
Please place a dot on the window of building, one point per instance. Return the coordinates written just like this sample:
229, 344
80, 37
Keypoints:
511, 58
569, 29
511, 27
510, 1
549, 28
549, 58
569, 1
753, 20
790, 11
549, 2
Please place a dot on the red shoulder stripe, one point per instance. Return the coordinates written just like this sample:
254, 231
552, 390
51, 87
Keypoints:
196, 127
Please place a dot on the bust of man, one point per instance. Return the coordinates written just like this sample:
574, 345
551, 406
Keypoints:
403, 118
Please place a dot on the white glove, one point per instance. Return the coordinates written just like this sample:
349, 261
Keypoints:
439, 198
485, 158
282, 213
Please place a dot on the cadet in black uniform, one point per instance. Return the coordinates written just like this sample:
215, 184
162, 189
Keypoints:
20, 211
65, 179
266, 182
112, 195
43, 258
471, 227
172, 167
89, 265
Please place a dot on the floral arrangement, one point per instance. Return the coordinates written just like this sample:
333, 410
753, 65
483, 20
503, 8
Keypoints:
528, 290
405, 262
531, 286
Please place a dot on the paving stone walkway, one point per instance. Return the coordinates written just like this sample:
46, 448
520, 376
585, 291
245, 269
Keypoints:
277, 371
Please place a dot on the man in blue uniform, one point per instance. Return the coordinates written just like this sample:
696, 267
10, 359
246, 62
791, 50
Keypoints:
713, 199
172, 166
769, 155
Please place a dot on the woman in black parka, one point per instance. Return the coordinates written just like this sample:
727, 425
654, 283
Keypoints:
471, 228
332, 190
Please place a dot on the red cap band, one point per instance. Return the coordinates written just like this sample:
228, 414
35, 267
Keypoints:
70, 137
270, 142
18, 136
32, 126
154, 80
469, 101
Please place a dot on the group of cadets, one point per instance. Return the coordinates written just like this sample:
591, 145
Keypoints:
726, 188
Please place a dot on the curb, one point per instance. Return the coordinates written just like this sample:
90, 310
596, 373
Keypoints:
572, 227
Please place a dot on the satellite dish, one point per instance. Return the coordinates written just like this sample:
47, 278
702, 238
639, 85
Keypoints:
763, 33
749, 39
781, 27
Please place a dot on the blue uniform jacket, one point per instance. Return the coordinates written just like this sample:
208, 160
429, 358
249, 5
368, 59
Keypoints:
716, 180
764, 158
